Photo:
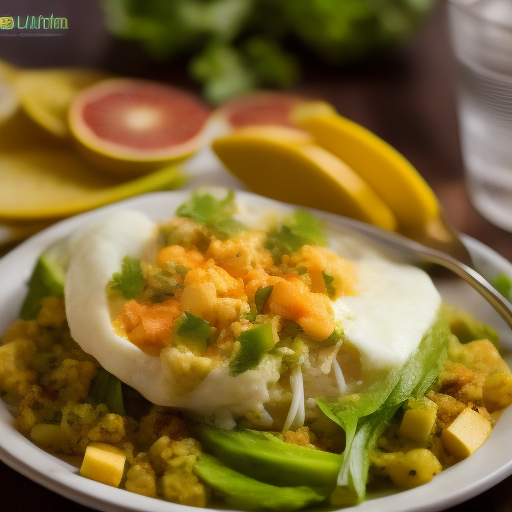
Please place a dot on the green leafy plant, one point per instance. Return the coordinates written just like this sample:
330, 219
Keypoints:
237, 45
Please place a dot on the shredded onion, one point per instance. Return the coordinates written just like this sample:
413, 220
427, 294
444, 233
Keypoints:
340, 379
297, 412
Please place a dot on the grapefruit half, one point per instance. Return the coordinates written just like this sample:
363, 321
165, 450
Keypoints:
134, 126
259, 108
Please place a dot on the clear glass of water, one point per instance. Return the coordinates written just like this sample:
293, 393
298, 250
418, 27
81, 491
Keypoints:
481, 33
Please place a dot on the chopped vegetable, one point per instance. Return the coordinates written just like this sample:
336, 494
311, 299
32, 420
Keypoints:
329, 280
106, 389
47, 278
130, 282
215, 214
414, 468
466, 434
243, 493
264, 457
193, 332
467, 328
103, 463
337, 335
261, 296
254, 343
503, 284
297, 413
295, 231
418, 421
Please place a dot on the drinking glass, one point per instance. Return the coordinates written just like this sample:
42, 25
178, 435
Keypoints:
481, 34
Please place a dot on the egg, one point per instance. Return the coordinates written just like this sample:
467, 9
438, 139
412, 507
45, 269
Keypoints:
96, 255
386, 319
392, 308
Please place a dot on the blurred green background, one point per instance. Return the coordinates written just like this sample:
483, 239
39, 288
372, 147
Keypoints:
233, 46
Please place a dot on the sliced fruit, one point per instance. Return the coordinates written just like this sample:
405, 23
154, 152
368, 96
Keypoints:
133, 126
259, 108
241, 492
8, 100
262, 456
385, 170
45, 183
8, 72
283, 166
46, 94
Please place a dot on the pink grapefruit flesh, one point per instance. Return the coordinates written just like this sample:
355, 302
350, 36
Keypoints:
260, 108
137, 125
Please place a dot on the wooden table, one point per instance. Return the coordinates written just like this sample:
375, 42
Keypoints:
407, 100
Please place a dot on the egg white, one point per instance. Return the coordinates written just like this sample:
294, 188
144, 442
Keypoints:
96, 254
394, 307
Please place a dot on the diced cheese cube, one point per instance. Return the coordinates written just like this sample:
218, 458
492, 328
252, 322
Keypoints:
466, 434
417, 424
103, 463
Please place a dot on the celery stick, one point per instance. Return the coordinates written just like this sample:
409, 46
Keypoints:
367, 418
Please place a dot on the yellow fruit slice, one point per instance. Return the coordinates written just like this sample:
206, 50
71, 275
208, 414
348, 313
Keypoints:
46, 95
8, 72
385, 170
43, 184
283, 164
8, 100
44, 178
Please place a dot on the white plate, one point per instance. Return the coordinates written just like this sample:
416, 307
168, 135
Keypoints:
488, 466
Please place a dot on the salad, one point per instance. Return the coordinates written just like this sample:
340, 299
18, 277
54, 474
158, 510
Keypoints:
247, 356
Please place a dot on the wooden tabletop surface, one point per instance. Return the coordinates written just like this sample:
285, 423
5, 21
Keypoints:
408, 100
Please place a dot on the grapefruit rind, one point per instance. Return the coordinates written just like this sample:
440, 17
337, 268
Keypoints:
121, 158
385, 170
300, 172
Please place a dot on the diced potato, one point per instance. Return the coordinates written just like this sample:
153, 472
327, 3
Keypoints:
466, 434
497, 391
103, 463
46, 435
496, 415
418, 422
416, 467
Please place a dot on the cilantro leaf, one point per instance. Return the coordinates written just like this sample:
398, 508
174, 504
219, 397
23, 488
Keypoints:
193, 332
130, 282
215, 214
299, 229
